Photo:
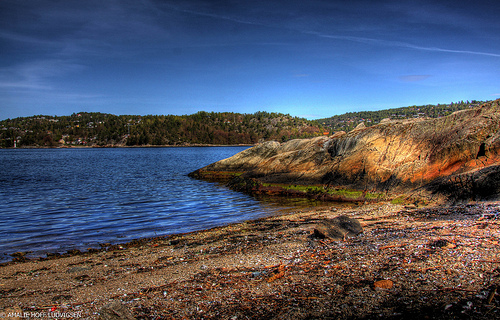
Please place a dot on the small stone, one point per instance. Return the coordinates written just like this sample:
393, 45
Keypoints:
77, 269
53, 254
19, 254
445, 244
383, 284
411, 206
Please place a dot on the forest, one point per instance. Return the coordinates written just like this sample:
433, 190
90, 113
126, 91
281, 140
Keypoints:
348, 121
202, 128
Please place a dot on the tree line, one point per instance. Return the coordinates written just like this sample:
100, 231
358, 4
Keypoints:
348, 121
101, 129
202, 128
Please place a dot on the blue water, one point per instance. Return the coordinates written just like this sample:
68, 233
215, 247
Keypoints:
54, 200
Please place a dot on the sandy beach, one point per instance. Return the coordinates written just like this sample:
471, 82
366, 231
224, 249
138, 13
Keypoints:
409, 262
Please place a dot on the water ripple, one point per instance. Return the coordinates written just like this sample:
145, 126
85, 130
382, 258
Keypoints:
54, 200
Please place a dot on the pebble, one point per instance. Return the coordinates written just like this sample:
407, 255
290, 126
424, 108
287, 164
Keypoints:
383, 284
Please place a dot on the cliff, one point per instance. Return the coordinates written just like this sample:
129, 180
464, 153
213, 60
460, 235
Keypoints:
457, 156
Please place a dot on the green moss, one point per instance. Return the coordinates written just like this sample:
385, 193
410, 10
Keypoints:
314, 189
398, 200
214, 175
351, 194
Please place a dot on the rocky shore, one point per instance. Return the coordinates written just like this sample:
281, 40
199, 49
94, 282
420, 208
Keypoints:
408, 262
456, 158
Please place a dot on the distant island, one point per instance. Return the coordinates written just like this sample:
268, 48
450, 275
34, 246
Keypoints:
94, 129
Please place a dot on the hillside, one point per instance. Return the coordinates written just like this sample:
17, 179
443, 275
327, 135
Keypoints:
457, 156
99, 129
350, 120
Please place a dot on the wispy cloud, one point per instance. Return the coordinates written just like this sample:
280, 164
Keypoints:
435, 49
400, 44
26, 39
366, 40
215, 16
36, 74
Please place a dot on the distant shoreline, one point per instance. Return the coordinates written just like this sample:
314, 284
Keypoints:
143, 146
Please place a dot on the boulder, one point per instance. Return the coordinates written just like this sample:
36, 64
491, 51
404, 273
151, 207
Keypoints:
338, 228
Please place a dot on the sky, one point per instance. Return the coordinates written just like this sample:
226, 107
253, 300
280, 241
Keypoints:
307, 58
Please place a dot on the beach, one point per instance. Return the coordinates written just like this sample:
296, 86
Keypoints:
409, 262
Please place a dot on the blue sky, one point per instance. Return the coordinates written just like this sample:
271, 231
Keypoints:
312, 59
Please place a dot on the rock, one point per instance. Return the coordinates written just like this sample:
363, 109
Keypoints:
457, 157
77, 269
53, 254
115, 311
383, 284
411, 206
441, 243
360, 126
338, 228
257, 274
19, 254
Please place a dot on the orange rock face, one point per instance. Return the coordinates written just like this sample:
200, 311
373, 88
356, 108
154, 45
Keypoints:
454, 154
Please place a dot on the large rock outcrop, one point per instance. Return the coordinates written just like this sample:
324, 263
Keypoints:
457, 155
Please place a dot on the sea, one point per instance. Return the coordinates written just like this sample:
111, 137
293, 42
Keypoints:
56, 200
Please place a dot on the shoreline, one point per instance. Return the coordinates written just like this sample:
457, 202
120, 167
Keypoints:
434, 261
26, 256
125, 146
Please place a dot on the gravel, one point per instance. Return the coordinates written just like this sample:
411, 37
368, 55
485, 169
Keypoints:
429, 262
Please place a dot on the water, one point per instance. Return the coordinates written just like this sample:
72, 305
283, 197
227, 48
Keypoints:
54, 200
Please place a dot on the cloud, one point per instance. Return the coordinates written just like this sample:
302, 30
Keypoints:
90, 28
435, 49
215, 16
26, 39
400, 44
36, 74
303, 30
414, 77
